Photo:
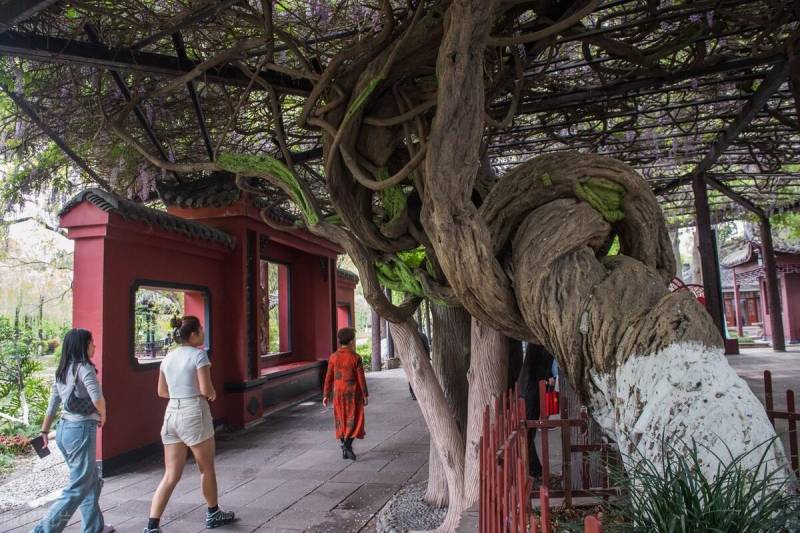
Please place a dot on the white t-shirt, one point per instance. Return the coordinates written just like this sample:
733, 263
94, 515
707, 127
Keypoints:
180, 370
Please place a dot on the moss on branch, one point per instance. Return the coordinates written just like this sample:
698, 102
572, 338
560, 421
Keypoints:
604, 195
264, 165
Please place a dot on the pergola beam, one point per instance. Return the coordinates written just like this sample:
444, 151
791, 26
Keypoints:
180, 48
772, 82
91, 32
185, 19
12, 12
58, 50
623, 89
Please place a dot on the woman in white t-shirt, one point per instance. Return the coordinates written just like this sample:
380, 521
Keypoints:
185, 378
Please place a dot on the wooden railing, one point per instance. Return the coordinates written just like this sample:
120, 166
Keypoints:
790, 415
506, 489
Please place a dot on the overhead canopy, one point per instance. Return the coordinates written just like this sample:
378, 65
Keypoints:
675, 89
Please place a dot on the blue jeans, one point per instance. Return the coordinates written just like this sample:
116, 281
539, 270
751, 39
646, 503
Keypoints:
77, 442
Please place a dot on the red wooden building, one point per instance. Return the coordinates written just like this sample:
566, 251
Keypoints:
748, 269
270, 301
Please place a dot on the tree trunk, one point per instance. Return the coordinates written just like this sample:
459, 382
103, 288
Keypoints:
439, 418
515, 362
773, 291
450, 353
675, 238
488, 378
697, 264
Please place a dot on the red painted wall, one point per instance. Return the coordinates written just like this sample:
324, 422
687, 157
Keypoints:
108, 261
112, 253
345, 298
791, 313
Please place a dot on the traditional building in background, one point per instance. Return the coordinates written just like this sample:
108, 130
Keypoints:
747, 287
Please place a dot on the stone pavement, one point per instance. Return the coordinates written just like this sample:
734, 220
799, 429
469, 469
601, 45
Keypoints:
785, 369
285, 474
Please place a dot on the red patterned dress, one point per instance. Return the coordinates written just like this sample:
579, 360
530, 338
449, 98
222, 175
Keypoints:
345, 381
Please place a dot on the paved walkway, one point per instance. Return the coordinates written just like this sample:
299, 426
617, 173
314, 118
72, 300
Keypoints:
286, 474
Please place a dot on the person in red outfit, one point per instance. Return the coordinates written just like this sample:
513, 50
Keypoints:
346, 386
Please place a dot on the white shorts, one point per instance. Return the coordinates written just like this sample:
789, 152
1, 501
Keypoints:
187, 420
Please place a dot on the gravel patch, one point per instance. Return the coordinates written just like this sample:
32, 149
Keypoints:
407, 511
34, 481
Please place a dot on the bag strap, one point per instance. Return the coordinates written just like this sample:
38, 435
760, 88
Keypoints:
74, 381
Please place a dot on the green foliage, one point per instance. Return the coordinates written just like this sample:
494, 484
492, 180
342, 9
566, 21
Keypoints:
154, 310
674, 496
259, 165
788, 223
21, 341
614, 249
26, 173
397, 273
604, 195
364, 349
393, 199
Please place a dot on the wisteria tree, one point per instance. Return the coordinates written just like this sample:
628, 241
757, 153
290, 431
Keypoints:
377, 123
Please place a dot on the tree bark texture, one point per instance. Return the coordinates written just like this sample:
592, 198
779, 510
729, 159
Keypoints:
488, 378
675, 238
439, 418
697, 270
450, 355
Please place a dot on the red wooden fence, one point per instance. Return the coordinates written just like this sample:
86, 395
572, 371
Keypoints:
584, 449
505, 487
790, 415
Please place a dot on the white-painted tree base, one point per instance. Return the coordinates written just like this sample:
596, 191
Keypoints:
686, 392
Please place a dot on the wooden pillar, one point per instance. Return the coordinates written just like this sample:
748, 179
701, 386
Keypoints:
711, 283
771, 271
376, 341
737, 310
389, 341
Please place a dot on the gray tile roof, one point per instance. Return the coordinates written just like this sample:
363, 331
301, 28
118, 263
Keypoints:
129, 210
750, 249
216, 190
346, 274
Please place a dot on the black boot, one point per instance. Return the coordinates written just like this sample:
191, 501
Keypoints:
349, 449
344, 449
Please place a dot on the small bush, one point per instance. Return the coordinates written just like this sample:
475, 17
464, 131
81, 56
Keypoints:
14, 445
51, 346
365, 351
675, 496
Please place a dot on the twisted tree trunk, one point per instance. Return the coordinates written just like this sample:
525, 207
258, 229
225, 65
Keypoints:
441, 423
450, 353
648, 362
488, 378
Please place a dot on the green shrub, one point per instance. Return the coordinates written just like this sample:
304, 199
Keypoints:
364, 349
675, 496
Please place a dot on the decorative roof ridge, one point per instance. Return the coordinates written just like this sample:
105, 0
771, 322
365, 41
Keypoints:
346, 274
129, 210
